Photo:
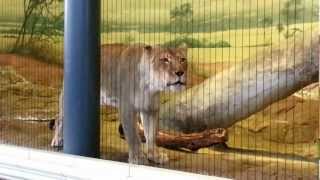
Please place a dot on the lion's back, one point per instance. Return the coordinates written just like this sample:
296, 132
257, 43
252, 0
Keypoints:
115, 60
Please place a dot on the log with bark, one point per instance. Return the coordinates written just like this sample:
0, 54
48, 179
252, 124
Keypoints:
236, 93
181, 141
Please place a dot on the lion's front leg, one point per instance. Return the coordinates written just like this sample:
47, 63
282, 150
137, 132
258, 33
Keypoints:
57, 140
129, 124
150, 126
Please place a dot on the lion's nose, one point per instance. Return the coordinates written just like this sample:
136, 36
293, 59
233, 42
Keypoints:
179, 73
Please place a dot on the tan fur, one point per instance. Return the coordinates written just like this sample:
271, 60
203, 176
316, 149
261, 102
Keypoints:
131, 78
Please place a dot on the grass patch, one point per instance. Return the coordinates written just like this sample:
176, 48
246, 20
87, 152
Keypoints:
245, 44
208, 15
9, 31
236, 38
195, 43
46, 51
50, 53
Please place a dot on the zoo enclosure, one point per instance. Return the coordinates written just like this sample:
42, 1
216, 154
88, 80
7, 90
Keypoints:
278, 141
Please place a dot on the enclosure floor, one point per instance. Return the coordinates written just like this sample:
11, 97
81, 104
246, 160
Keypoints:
211, 161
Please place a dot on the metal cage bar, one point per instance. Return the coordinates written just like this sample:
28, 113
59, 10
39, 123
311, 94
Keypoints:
82, 77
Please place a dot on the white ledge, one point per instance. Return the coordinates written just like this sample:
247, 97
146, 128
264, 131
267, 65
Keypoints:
25, 163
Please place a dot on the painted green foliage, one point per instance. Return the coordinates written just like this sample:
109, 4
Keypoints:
181, 18
40, 23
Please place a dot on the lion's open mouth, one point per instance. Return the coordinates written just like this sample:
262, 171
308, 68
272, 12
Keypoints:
179, 83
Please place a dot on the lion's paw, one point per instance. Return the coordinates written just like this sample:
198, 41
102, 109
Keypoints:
57, 142
140, 159
158, 157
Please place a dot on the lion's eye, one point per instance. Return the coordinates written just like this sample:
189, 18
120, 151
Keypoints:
183, 59
166, 60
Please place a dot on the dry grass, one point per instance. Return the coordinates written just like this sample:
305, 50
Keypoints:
34, 70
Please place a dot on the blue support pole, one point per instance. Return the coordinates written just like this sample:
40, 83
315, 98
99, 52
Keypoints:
82, 78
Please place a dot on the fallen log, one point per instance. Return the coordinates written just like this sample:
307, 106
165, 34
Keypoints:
246, 88
181, 141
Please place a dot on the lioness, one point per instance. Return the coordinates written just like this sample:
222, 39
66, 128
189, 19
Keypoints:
131, 78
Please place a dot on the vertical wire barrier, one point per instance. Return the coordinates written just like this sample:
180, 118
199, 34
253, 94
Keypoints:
227, 88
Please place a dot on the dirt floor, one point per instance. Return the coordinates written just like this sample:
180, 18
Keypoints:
277, 143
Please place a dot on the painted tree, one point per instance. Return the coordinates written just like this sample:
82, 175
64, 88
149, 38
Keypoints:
292, 10
181, 17
40, 23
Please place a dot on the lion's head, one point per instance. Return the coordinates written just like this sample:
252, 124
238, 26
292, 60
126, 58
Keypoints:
167, 67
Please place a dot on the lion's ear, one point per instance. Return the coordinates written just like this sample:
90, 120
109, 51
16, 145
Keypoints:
183, 48
148, 48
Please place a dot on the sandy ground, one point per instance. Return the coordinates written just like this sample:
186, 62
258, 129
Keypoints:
277, 143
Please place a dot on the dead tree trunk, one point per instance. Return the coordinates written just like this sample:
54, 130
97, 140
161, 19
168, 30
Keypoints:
236, 93
181, 141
